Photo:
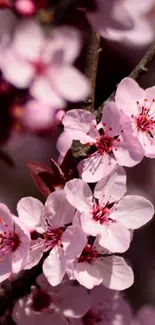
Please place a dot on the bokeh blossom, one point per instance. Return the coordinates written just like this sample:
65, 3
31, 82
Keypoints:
107, 308
51, 305
44, 63
107, 213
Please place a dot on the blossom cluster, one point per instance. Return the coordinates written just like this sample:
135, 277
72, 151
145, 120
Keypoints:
77, 236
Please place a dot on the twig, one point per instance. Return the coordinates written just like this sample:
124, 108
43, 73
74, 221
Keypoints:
92, 67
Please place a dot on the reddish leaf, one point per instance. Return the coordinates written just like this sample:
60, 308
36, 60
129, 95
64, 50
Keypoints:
42, 176
69, 167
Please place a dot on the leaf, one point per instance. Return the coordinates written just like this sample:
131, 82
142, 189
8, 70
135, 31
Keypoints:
69, 167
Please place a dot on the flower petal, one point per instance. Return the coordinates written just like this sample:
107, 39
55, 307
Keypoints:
58, 210
35, 254
30, 211
112, 188
133, 211
70, 83
79, 194
116, 273
127, 94
111, 119
54, 266
87, 275
74, 240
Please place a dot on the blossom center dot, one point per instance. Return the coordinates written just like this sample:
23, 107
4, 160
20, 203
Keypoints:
104, 144
89, 254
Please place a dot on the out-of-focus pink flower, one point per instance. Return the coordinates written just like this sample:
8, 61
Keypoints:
51, 221
107, 213
51, 305
109, 144
45, 63
139, 107
14, 243
25, 7
91, 269
126, 21
144, 316
107, 307
8, 22
37, 116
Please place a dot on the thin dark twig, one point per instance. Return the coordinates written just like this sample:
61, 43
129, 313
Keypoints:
92, 67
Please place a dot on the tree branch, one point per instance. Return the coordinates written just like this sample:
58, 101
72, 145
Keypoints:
92, 67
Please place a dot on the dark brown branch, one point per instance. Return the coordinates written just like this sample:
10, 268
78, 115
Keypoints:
91, 67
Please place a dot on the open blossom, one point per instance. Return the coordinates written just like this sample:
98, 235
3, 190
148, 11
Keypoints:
107, 308
45, 63
139, 106
92, 268
51, 305
107, 213
109, 145
14, 243
129, 21
51, 222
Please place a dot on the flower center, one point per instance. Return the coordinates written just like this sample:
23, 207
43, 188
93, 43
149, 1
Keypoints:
89, 254
145, 121
8, 242
104, 144
41, 300
100, 213
91, 318
39, 67
52, 237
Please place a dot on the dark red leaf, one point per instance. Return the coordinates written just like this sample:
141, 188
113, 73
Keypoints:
69, 167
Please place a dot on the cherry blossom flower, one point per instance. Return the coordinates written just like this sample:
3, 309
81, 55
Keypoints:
45, 63
127, 21
14, 243
109, 144
51, 222
107, 213
92, 268
107, 308
139, 107
51, 305
144, 316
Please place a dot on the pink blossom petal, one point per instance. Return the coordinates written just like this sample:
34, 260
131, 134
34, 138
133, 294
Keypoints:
146, 315
67, 41
87, 275
19, 256
30, 211
127, 94
43, 90
150, 95
79, 194
89, 225
148, 144
28, 39
129, 151
64, 142
70, 83
6, 217
35, 254
81, 125
116, 273
96, 167
112, 188
17, 71
54, 266
116, 239
74, 308
133, 211
38, 116
74, 240
111, 119
58, 209
5, 267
